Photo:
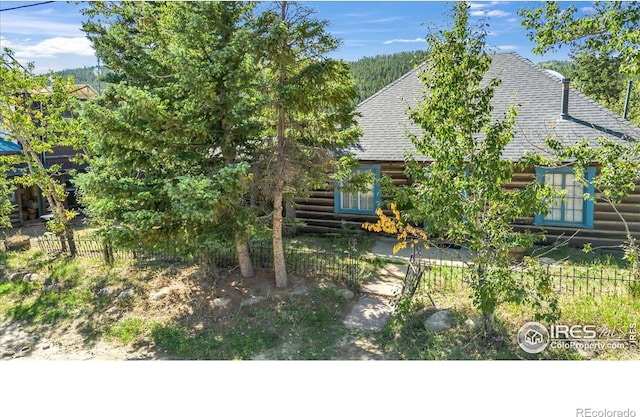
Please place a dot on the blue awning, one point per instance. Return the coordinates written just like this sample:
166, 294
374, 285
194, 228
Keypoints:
8, 147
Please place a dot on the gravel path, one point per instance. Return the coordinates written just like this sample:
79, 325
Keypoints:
18, 342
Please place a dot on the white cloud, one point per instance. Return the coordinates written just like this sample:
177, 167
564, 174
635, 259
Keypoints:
512, 20
506, 48
383, 20
30, 26
587, 9
474, 5
5, 43
389, 42
52, 47
491, 13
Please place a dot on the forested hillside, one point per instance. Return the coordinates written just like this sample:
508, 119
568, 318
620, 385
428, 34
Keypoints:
566, 68
373, 73
84, 75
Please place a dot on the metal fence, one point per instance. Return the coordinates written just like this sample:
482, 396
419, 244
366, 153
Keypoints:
95, 249
569, 280
341, 265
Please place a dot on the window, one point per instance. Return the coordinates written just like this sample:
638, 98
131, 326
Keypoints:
573, 210
365, 202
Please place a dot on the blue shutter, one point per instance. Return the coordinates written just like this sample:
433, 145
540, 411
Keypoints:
538, 218
589, 205
377, 196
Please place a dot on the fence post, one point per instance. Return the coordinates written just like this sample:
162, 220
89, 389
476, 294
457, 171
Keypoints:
107, 250
352, 267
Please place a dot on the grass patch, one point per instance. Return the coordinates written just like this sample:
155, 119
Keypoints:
210, 344
51, 307
575, 256
66, 289
127, 330
31, 260
406, 333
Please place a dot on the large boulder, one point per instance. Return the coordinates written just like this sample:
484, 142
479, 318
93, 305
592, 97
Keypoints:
300, 290
346, 294
440, 321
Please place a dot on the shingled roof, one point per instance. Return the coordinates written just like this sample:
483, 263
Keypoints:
537, 92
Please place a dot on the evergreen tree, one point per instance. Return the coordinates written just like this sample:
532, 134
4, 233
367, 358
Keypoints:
310, 115
173, 137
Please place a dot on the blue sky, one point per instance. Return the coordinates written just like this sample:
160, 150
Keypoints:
49, 35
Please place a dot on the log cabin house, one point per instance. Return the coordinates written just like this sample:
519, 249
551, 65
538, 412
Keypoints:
547, 105
29, 204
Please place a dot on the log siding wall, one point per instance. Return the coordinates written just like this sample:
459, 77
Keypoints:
317, 213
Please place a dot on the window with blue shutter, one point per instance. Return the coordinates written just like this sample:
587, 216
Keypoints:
572, 210
359, 202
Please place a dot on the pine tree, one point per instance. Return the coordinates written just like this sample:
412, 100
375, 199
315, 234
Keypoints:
310, 116
174, 135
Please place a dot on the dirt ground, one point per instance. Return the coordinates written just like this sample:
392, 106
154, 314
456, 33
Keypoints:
189, 298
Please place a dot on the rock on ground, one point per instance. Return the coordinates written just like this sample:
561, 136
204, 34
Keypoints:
251, 301
159, 294
107, 291
128, 293
440, 321
300, 290
346, 294
221, 302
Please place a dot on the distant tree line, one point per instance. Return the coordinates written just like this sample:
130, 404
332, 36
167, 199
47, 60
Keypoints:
86, 75
373, 73
598, 77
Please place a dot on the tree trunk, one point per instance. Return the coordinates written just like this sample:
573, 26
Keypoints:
71, 241
56, 201
488, 322
244, 260
279, 265
59, 211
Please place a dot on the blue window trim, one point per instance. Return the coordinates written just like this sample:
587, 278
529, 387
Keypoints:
588, 205
337, 194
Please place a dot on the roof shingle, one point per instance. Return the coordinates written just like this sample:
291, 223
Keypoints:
536, 92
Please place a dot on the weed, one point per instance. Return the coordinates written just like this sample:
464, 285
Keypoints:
68, 272
33, 259
51, 307
241, 343
127, 330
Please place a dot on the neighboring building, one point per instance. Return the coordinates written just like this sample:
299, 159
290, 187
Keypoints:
28, 202
546, 106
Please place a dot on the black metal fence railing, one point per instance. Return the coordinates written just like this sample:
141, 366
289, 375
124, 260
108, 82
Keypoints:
342, 265
570, 280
